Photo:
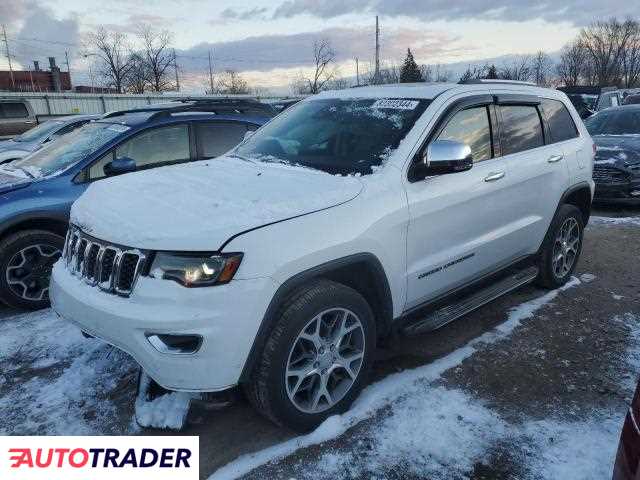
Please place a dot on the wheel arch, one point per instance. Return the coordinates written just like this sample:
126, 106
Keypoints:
49, 223
363, 272
580, 196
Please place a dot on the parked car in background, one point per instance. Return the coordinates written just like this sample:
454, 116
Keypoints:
352, 216
589, 100
627, 464
37, 191
616, 172
31, 140
16, 117
631, 100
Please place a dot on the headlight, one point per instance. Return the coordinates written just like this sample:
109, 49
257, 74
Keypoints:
195, 270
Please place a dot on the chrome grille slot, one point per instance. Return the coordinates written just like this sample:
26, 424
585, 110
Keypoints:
110, 267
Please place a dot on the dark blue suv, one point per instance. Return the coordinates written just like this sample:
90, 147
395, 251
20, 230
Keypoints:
36, 192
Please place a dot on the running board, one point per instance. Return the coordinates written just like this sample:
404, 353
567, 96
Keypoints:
448, 313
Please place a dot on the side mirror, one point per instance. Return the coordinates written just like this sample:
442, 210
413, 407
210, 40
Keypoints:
120, 166
248, 134
447, 156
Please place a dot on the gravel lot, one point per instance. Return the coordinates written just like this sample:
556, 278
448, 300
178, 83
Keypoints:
534, 385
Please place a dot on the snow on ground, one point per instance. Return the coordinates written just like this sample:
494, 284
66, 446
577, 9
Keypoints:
615, 221
53, 381
402, 393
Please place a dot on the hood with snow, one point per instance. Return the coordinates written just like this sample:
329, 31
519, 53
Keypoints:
621, 151
200, 205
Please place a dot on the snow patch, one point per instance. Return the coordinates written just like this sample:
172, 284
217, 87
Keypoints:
587, 277
166, 411
615, 221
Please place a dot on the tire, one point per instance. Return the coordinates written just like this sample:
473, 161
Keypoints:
321, 302
550, 274
37, 250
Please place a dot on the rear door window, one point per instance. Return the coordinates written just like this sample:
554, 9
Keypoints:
215, 139
13, 110
521, 128
471, 127
157, 146
561, 124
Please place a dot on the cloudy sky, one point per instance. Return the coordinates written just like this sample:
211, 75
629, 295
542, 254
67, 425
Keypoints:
270, 42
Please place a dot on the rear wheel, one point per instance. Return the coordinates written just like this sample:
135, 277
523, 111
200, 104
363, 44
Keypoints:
317, 357
26, 260
562, 247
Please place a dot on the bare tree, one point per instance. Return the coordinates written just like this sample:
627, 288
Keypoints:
605, 42
571, 68
441, 74
323, 56
542, 67
157, 54
139, 77
112, 49
427, 73
231, 83
519, 69
631, 59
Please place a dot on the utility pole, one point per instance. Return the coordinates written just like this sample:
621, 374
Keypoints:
357, 73
6, 46
175, 66
210, 74
66, 57
377, 72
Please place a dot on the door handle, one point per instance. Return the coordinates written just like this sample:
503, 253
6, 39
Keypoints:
555, 158
494, 176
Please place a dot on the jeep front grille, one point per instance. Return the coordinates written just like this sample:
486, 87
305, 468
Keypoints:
110, 267
604, 174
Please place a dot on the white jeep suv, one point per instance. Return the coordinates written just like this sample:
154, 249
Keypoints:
352, 216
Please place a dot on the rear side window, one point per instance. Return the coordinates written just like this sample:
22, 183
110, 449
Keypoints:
214, 139
521, 128
561, 125
13, 110
157, 146
471, 127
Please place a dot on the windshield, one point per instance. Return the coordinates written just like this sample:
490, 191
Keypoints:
615, 122
338, 136
40, 132
69, 149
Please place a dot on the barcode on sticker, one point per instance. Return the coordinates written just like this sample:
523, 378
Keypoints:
395, 104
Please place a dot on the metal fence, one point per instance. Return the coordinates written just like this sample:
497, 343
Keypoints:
58, 104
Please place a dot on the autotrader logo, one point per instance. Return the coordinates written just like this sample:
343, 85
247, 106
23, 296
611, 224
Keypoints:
69, 458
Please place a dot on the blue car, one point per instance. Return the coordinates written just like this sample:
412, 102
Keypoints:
36, 192
34, 139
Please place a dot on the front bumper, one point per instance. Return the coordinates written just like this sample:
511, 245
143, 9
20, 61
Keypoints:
627, 192
227, 317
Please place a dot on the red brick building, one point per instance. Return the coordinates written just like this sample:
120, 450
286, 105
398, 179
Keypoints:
36, 80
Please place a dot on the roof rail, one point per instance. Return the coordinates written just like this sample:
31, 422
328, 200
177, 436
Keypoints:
476, 81
213, 105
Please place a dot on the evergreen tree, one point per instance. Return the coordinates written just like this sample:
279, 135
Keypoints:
410, 72
492, 73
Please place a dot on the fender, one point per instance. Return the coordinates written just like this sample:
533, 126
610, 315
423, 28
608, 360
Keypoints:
41, 217
385, 315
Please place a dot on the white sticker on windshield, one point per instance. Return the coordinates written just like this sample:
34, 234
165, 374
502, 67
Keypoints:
395, 104
118, 128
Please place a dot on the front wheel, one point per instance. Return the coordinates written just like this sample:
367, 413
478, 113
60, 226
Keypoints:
562, 247
317, 357
26, 260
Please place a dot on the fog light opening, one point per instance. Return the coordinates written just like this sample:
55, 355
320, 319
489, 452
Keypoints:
175, 344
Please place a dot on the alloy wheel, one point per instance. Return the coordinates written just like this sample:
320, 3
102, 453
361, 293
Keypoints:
566, 246
325, 360
29, 271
